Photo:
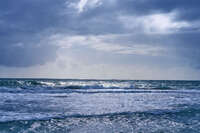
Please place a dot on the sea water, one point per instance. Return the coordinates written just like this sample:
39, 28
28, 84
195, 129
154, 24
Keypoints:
99, 106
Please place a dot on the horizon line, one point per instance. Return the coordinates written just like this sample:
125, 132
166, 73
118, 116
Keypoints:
108, 79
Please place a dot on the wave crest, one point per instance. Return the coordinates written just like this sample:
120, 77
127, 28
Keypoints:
100, 84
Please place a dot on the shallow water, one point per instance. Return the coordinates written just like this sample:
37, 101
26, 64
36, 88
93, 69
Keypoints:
88, 106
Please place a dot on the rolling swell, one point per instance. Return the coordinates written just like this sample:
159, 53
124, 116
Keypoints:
99, 84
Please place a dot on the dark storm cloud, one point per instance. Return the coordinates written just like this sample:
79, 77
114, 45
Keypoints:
21, 22
25, 23
188, 10
104, 19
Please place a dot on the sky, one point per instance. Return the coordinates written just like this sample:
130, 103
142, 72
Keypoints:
100, 39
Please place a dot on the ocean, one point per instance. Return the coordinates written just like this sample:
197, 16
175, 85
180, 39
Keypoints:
99, 106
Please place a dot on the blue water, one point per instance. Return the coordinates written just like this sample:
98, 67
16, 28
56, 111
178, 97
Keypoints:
99, 106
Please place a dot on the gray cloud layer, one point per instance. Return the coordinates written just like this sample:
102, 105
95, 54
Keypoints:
25, 26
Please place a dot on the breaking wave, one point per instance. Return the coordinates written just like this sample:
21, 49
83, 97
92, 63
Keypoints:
100, 84
52, 105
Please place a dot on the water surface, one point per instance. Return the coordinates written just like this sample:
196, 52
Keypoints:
100, 106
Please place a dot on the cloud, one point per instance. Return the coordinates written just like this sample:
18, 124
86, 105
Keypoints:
25, 24
101, 43
154, 23
25, 53
109, 32
82, 5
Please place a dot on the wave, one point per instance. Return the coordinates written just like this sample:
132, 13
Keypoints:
100, 84
116, 122
156, 113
